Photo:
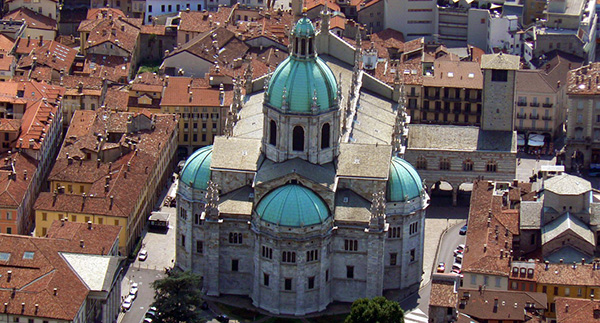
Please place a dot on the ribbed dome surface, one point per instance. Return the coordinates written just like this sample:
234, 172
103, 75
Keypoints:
301, 77
196, 171
404, 182
292, 206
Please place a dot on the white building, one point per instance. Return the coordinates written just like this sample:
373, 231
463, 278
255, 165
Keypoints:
414, 19
156, 8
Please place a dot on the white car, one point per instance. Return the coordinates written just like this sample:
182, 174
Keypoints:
458, 258
133, 291
127, 303
143, 255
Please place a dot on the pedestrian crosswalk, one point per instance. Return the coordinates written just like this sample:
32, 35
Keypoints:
416, 316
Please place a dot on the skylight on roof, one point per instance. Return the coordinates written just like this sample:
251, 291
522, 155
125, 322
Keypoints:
28, 255
471, 75
450, 74
4, 256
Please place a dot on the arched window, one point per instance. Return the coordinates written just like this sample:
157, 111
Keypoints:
298, 139
325, 136
296, 49
491, 166
272, 133
468, 165
303, 47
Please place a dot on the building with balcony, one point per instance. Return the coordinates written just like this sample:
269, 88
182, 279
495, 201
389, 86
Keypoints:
583, 129
452, 93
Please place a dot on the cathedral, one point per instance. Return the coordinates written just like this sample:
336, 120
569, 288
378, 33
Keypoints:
307, 199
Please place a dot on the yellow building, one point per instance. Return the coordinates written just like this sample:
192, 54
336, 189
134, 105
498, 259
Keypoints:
575, 280
202, 109
115, 178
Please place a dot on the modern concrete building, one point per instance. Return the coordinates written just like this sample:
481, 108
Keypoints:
299, 206
415, 19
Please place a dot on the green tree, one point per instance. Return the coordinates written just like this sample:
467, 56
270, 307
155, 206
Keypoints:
376, 310
177, 296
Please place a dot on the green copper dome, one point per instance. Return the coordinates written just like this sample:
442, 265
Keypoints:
404, 182
304, 28
292, 206
302, 76
196, 171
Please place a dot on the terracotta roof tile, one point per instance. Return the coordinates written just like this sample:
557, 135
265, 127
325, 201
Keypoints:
116, 99
576, 310
203, 21
488, 245
119, 31
443, 294
51, 54
499, 305
113, 68
126, 172
97, 238
201, 96
33, 19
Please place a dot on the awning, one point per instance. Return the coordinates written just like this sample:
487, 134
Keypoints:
520, 140
535, 140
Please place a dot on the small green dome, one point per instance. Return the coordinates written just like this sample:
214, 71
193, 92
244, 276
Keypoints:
196, 171
304, 28
302, 76
404, 182
292, 206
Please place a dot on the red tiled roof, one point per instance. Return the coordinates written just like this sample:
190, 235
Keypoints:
176, 94
33, 19
125, 174
576, 310
486, 242
51, 54
119, 31
12, 190
113, 68
203, 21
46, 284
97, 238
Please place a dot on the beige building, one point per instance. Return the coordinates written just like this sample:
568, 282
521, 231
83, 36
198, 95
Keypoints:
461, 154
82, 93
48, 8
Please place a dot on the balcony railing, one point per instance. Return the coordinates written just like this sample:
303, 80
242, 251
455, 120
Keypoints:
412, 95
475, 99
534, 116
534, 104
432, 97
453, 99
547, 105
521, 116
522, 104
546, 118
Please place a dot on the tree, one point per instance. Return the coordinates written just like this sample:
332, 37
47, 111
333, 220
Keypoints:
177, 296
375, 310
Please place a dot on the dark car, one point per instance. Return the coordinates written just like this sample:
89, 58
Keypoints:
463, 230
223, 318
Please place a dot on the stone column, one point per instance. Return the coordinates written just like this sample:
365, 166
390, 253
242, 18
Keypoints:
455, 195
211, 269
375, 264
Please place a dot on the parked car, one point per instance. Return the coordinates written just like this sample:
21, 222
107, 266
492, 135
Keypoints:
222, 318
148, 320
456, 266
458, 258
463, 230
151, 312
456, 271
459, 249
127, 303
133, 290
143, 255
441, 267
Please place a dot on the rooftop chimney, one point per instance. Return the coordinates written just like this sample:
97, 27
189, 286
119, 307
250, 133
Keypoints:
37, 307
23, 304
55, 291
582, 261
81, 243
8, 275
112, 200
25, 174
41, 40
560, 260
89, 225
547, 264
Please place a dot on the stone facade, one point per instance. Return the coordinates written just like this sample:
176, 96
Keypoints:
364, 241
